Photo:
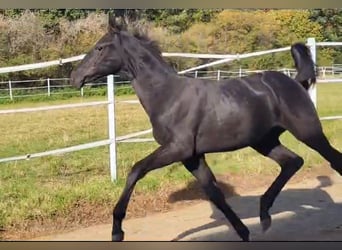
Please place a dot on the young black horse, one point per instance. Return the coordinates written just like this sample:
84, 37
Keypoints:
191, 117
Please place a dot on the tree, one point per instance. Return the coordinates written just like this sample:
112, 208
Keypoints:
179, 20
331, 22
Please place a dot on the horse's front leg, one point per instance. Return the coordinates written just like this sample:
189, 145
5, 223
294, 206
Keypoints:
161, 157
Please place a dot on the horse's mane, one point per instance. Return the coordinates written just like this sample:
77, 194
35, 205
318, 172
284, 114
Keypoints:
147, 42
140, 33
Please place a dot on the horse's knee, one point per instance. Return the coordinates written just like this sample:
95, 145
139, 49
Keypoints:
295, 163
213, 192
288, 160
133, 176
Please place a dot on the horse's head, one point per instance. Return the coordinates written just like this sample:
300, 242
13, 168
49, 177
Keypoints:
104, 58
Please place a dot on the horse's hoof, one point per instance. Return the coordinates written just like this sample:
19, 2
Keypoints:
245, 236
118, 236
244, 233
266, 222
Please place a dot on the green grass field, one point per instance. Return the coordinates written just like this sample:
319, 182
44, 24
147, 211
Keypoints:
53, 186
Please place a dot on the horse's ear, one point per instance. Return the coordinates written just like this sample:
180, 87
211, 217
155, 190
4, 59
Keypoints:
111, 22
116, 24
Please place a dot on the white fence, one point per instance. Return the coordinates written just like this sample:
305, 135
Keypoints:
46, 87
111, 141
59, 86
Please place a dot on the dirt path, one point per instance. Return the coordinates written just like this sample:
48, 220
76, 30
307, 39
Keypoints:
305, 211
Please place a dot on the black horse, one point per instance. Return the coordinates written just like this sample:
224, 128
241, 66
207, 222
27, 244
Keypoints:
191, 117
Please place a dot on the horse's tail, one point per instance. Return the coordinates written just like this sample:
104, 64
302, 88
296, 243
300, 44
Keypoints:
306, 73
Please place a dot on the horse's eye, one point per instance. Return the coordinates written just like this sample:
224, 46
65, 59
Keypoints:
99, 48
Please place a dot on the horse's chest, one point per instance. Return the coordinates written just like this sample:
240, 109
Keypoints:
161, 133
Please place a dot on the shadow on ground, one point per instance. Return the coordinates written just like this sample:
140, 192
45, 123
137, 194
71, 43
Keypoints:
298, 214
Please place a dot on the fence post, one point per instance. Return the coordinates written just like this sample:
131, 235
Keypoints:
48, 86
218, 75
82, 92
196, 74
240, 72
332, 70
10, 89
313, 89
111, 126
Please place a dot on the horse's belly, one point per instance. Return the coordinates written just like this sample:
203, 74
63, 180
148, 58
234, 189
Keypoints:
238, 131
217, 142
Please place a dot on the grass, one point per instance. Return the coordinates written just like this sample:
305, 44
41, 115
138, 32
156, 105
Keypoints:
50, 187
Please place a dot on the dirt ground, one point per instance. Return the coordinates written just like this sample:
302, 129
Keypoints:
309, 208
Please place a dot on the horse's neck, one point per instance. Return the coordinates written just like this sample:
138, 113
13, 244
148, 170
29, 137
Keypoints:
152, 82
154, 91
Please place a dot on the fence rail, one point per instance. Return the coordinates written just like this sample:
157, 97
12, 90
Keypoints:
326, 74
50, 88
66, 106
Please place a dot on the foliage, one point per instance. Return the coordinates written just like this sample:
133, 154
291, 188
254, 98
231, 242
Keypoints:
331, 22
179, 20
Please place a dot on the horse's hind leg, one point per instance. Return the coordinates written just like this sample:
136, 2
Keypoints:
289, 162
199, 168
315, 139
